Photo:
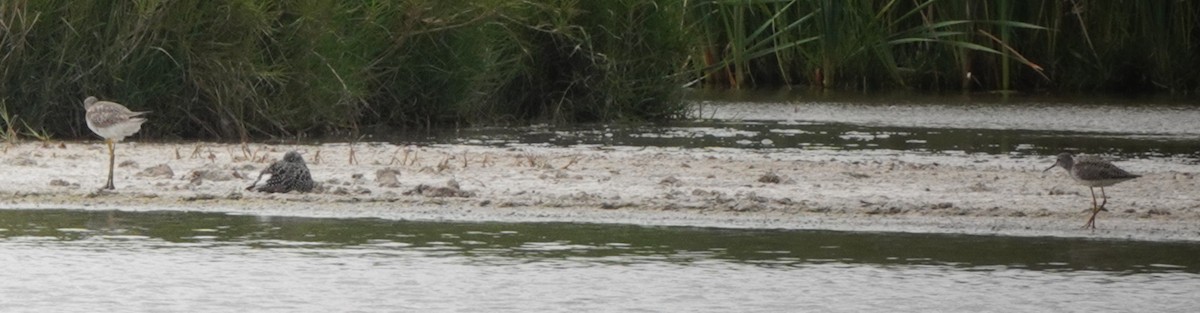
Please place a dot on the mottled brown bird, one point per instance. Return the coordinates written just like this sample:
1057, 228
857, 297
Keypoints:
1093, 172
113, 122
288, 174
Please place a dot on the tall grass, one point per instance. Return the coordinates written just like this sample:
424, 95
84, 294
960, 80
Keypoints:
843, 44
623, 67
241, 69
1069, 45
1133, 46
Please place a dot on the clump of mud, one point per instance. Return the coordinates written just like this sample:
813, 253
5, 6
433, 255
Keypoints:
451, 189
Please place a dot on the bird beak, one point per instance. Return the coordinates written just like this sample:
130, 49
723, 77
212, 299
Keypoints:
1048, 168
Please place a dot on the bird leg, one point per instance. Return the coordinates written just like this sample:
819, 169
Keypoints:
1097, 209
1091, 223
112, 157
1105, 199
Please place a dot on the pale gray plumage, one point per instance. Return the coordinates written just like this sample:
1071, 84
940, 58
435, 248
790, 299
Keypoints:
113, 122
1092, 171
288, 174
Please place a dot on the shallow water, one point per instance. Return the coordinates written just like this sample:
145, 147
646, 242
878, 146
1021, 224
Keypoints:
92, 261
1020, 126
763, 134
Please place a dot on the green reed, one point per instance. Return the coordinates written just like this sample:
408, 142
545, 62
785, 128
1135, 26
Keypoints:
1059, 45
847, 44
242, 69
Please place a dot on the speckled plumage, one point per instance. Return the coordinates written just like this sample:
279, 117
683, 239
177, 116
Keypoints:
288, 174
1092, 172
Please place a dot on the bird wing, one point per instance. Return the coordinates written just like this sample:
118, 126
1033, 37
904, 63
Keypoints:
106, 114
1096, 169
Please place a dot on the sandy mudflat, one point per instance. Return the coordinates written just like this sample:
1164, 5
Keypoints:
789, 189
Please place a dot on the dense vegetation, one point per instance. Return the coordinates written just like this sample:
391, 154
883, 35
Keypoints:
1057, 45
242, 69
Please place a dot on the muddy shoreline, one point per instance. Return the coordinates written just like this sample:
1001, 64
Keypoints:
716, 187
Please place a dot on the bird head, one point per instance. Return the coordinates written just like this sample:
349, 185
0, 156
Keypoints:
1065, 160
293, 156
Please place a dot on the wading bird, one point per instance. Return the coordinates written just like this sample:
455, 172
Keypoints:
113, 122
1093, 172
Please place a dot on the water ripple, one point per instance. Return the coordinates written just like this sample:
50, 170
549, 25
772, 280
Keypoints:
294, 264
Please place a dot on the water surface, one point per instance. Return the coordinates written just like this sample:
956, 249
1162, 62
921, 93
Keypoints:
181, 261
1017, 126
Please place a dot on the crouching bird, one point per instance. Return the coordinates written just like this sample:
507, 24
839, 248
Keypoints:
288, 174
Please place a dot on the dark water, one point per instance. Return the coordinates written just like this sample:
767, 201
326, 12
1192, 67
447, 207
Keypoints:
629, 243
1018, 126
321, 263
758, 134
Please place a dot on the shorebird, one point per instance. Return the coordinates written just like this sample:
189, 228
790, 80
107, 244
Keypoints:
1093, 172
286, 175
113, 122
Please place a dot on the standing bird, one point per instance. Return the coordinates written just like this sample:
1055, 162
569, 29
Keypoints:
286, 175
114, 122
1093, 172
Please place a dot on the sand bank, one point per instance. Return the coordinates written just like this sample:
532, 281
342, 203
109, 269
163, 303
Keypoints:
786, 189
